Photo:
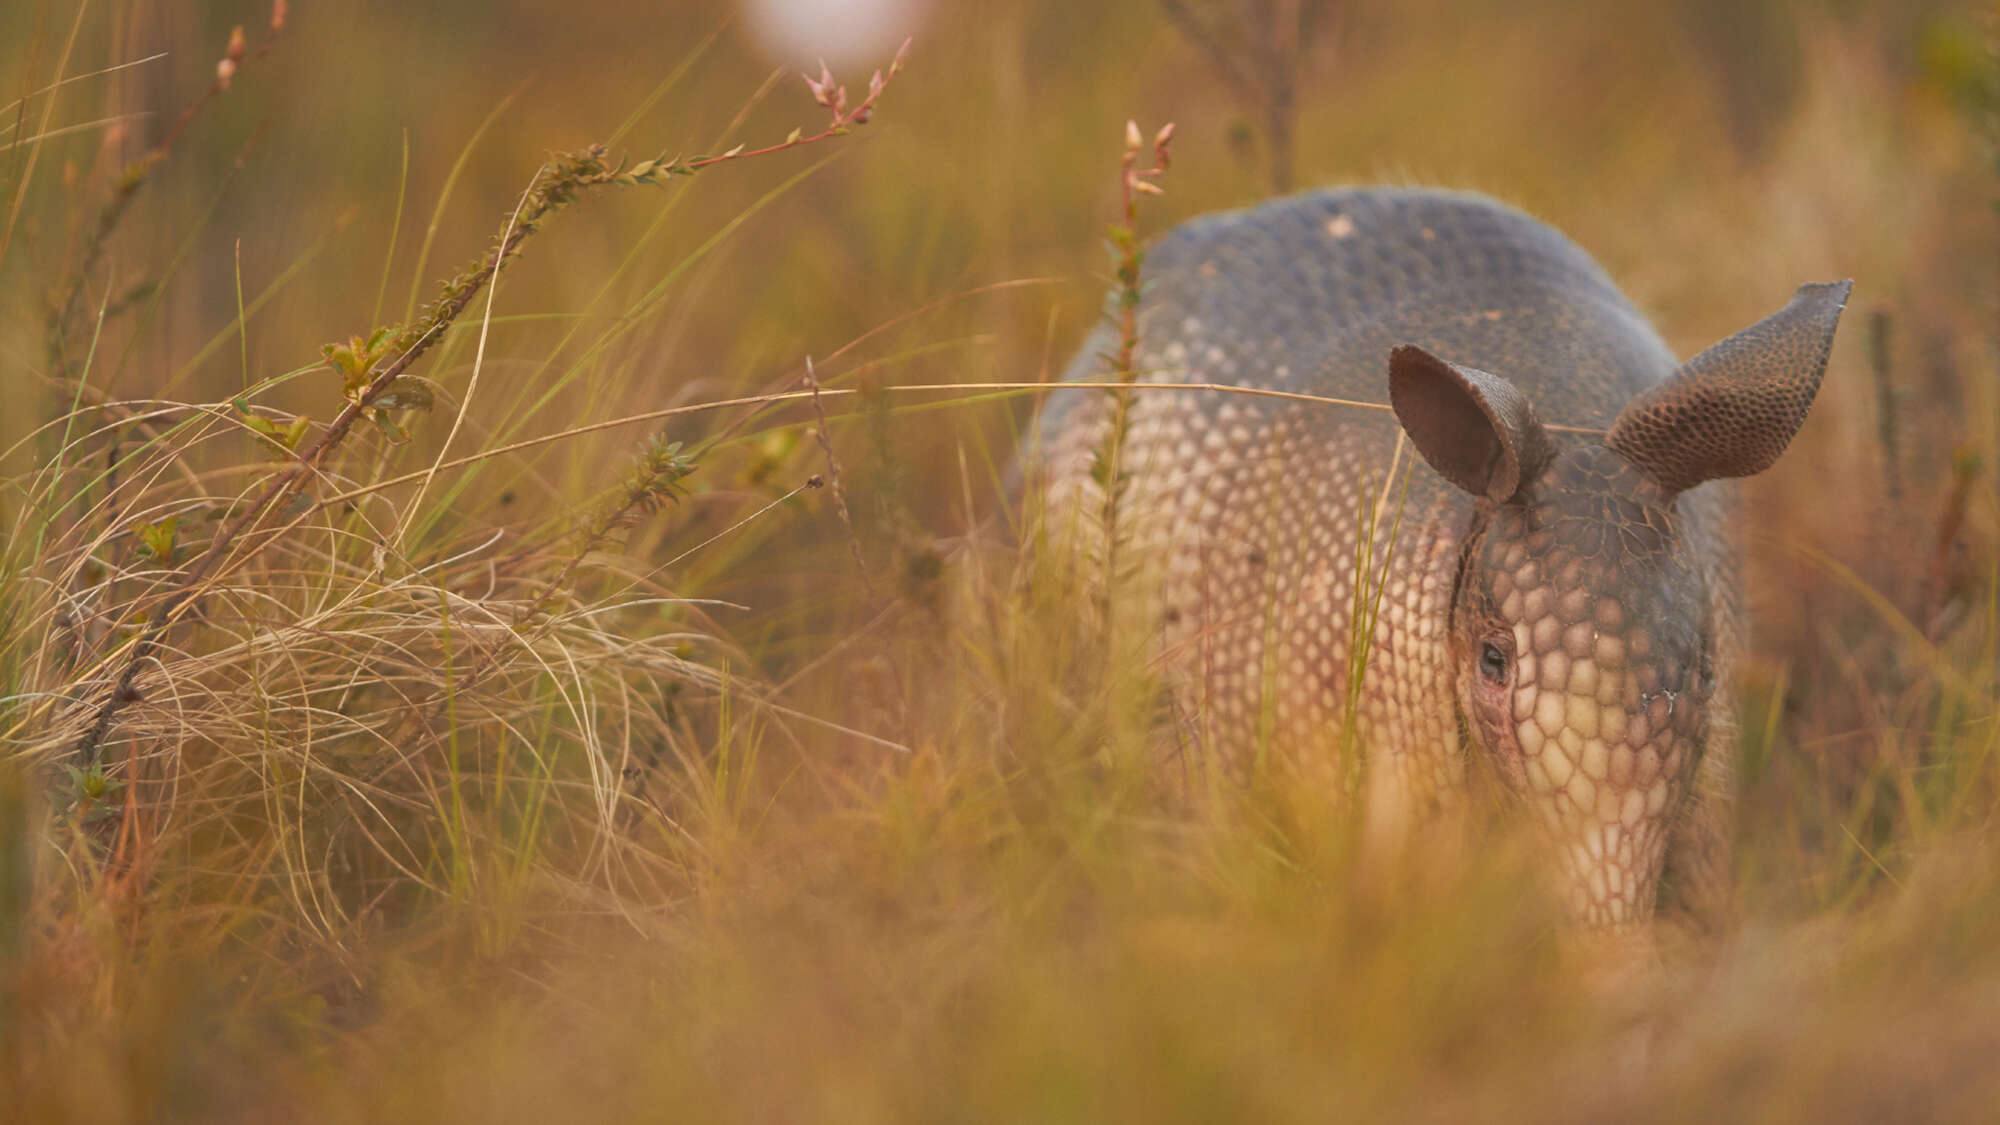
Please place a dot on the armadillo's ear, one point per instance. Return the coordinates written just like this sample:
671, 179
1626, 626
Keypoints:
1730, 411
1477, 430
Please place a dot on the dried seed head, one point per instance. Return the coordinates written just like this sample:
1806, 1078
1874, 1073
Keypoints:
239, 45
225, 69
279, 10
1132, 138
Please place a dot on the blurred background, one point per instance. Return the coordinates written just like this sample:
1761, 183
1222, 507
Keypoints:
1712, 154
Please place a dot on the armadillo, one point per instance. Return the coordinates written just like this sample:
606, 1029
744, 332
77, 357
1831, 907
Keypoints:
1543, 493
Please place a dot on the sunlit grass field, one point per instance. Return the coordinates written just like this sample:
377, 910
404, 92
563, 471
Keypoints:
614, 688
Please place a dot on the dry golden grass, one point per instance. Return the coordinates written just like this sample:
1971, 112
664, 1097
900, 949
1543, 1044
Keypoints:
510, 770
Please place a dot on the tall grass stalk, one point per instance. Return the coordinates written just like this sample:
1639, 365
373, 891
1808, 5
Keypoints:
1107, 469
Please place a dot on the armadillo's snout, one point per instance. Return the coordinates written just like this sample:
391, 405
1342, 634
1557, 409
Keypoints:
1590, 681
1604, 745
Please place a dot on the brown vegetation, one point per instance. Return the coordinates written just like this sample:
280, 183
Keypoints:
486, 718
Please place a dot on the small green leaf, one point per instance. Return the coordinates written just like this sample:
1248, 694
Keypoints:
287, 435
352, 360
156, 540
91, 784
407, 393
396, 434
89, 790
258, 424
339, 356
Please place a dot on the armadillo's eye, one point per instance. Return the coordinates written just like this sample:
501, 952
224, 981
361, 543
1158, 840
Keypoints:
1494, 662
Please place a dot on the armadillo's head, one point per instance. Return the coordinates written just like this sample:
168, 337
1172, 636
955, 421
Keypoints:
1584, 640
1584, 626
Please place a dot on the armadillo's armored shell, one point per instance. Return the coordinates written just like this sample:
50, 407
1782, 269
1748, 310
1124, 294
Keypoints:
1509, 356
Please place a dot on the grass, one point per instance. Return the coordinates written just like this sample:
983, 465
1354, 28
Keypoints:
488, 718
